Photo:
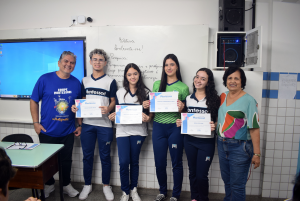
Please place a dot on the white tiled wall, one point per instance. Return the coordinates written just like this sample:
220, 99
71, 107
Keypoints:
147, 177
281, 146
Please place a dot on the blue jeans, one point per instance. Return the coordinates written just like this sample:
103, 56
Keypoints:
235, 159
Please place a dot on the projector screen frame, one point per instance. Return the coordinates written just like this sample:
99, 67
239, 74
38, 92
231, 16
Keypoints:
20, 40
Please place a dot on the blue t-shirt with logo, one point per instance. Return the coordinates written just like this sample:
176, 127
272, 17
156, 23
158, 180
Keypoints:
57, 97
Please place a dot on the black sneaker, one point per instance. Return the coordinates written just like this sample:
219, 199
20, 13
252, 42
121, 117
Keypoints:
173, 199
160, 197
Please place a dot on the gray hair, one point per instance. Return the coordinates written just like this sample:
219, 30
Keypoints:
99, 51
65, 53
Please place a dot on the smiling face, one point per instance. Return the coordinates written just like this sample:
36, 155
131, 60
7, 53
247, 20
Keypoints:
98, 62
234, 81
66, 65
201, 80
132, 76
170, 67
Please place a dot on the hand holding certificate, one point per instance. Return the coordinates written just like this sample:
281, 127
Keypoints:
163, 101
126, 114
88, 108
195, 123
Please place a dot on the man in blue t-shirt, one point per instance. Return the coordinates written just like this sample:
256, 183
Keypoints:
57, 91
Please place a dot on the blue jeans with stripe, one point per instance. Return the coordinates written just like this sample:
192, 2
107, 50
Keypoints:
129, 149
166, 136
88, 137
235, 158
200, 153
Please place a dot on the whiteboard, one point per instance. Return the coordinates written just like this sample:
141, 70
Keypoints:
149, 47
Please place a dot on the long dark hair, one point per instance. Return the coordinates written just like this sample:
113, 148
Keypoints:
140, 92
163, 80
212, 98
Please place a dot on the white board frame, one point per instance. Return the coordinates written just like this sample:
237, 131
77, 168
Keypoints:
190, 45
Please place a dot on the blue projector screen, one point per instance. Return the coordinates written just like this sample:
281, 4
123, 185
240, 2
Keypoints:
22, 63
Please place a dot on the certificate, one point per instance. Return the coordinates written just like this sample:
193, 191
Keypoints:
126, 114
163, 102
195, 123
88, 108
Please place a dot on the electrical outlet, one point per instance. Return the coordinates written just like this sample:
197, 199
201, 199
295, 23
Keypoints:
74, 20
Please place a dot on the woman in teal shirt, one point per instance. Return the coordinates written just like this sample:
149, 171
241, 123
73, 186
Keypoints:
238, 134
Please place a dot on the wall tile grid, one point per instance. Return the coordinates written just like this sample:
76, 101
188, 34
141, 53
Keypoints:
281, 138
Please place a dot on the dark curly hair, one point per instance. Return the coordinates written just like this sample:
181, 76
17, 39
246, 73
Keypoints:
163, 80
140, 91
212, 98
231, 70
7, 172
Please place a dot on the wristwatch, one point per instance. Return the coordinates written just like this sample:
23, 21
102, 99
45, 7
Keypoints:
79, 125
257, 155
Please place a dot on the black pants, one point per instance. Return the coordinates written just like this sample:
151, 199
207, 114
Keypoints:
66, 155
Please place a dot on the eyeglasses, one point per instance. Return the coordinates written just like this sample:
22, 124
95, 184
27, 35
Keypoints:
24, 144
98, 60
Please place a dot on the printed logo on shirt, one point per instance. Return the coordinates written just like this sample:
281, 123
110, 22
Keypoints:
207, 158
174, 146
139, 142
62, 91
107, 142
61, 105
197, 110
97, 92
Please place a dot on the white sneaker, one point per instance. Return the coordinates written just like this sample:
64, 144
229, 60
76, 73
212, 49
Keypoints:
108, 193
70, 190
48, 189
85, 192
134, 195
124, 197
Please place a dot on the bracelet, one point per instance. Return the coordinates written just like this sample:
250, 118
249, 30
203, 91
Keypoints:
257, 155
36, 122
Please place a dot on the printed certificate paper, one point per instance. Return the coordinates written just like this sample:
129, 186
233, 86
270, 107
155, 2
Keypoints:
163, 102
126, 114
88, 108
195, 123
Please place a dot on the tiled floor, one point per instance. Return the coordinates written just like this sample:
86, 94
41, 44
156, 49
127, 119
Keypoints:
97, 194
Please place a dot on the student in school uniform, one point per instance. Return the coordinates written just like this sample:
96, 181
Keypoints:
97, 86
200, 149
130, 137
165, 132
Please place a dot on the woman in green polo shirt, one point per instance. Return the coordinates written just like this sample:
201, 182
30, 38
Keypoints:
165, 132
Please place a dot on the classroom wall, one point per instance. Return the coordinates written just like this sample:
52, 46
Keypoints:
280, 52
281, 120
